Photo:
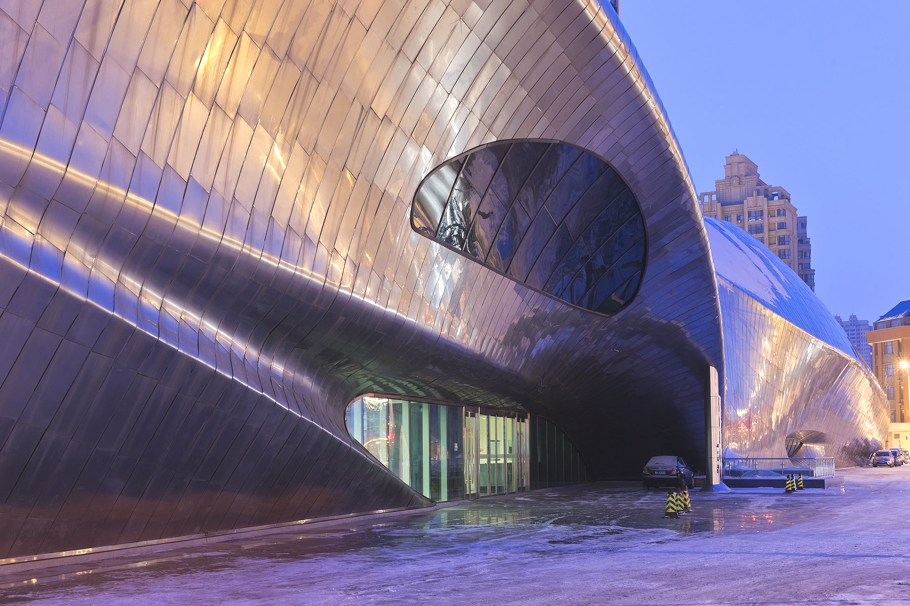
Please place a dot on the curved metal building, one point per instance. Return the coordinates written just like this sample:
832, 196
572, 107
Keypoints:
795, 384
224, 221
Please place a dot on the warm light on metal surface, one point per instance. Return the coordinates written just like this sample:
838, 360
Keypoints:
206, 253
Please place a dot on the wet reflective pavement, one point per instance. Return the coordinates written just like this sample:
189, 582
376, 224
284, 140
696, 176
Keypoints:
599, 543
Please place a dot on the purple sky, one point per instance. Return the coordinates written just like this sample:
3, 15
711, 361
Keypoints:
817, 94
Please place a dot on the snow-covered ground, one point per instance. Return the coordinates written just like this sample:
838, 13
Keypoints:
596, 544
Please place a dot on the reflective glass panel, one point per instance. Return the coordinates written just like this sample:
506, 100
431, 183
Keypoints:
470, 454
489, 218
618, 258
537, 211
422, 223
547, 175
554, 251
584, 173
614, 279
467, 194
542, 229
601, 193
515, 169
444, 452
616, 215
575, 260
433, 194
510, 234
483, 454
554, 460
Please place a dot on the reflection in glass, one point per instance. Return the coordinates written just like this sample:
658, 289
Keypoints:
549, 215
574, 260
552, 254
571, 189
524, 258
518, 165
433, 194
489, 218
483, 451
543, 183
457, 215
554, 459
422, 223
510, 234
605, 188
448, 452
471, 473
435, 448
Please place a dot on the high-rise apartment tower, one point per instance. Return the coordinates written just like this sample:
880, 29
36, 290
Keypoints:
765, 211
856, 331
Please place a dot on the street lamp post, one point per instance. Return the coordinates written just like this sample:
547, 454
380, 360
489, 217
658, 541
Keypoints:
905, 366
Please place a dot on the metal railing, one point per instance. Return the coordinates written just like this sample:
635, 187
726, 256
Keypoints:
813, 467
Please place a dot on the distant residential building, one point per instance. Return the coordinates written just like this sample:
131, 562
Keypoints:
890, 341
898, 435
763, 210
804, 255
856, 331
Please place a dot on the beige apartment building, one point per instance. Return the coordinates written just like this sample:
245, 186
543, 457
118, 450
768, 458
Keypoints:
890, 341
765, 211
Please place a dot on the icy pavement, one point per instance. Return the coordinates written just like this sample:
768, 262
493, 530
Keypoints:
595, 544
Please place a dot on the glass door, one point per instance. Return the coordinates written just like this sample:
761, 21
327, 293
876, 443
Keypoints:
470, 454
509, 453
497, 456
483, 453
523, 454
445, 452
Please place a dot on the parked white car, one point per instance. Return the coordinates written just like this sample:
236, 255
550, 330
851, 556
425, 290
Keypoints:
882, 457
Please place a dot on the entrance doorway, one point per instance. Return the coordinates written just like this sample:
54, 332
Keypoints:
445, 452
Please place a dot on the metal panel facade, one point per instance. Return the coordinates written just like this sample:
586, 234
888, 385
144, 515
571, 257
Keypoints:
795, 385
206, 253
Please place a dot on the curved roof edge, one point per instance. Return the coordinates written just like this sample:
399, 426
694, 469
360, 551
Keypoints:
749, 265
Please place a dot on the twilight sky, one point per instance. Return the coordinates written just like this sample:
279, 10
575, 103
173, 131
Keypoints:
817, 93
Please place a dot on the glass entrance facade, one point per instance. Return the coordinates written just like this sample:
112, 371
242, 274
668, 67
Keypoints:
445, 452
419, 442
502, 453
554, 459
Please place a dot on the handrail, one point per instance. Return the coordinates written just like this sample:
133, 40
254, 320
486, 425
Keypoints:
815, 467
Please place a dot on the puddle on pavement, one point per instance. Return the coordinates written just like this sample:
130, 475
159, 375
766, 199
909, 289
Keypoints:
577, 520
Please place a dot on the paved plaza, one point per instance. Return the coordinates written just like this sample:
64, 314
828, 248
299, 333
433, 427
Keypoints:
603, 543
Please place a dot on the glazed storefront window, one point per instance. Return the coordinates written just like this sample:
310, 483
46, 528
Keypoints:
421, 443
450, 452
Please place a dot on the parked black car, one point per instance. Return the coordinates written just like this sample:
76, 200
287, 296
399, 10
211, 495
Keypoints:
666, 470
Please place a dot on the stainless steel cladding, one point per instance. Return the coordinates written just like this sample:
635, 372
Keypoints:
206, 254
795, 385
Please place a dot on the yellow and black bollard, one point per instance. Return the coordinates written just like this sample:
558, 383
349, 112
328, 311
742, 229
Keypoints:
789, 486
799, 483
670, 511
680, 503
687, 504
